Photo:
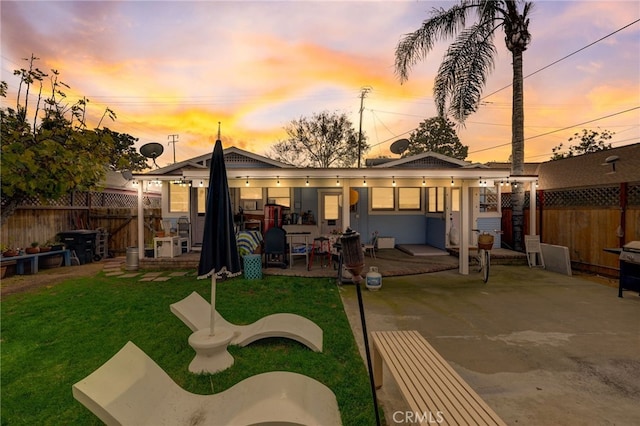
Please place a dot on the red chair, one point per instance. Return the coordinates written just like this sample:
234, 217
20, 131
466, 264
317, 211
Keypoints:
321, 247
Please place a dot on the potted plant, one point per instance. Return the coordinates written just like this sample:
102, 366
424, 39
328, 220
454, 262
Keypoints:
8, 251
33, 249
45, 247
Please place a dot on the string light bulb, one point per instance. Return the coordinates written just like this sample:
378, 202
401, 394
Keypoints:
394, 181
337, 180
307, 182
364, 181
278, 180
451, 180
247, 182
424, 182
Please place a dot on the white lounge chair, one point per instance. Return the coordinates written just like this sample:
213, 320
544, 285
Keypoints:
131, 389
195, 312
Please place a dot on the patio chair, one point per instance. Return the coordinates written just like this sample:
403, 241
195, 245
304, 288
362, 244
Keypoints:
371, 247
195, 311
131, 389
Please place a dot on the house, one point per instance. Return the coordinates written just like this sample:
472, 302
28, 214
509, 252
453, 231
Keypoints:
427, 199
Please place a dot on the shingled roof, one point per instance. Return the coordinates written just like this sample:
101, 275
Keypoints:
591, 169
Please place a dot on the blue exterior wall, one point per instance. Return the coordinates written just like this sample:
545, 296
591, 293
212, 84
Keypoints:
406, 229
490, 224
436, 232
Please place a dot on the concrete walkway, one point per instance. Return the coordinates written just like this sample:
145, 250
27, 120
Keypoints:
541, 348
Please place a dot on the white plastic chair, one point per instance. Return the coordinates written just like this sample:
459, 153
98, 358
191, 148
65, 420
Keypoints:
195, 312
131, 389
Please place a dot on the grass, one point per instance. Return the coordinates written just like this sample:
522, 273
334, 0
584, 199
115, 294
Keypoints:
54, 337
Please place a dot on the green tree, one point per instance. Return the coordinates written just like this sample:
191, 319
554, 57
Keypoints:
326, 139
436, 134
589, 141
55, 153
467, 63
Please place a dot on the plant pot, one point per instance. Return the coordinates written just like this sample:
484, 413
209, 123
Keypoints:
45, 249
32, 250
10, 253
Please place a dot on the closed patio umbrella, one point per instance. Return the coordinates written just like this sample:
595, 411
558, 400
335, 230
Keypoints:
219, 257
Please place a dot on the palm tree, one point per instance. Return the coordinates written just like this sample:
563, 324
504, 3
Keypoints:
466, 64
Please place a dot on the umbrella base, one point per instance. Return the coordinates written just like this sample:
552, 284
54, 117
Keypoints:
211, 351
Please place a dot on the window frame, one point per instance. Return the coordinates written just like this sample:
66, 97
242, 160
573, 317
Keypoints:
187, 192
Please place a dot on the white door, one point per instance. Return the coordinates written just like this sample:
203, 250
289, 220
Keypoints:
330, 217
453, 225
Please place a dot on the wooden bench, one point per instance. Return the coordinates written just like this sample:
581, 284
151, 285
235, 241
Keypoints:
431, 388
32, 260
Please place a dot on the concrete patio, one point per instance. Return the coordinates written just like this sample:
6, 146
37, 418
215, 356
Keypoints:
541, 348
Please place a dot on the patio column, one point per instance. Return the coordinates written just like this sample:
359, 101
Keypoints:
465, 229
532, 208
140, 221
346, 216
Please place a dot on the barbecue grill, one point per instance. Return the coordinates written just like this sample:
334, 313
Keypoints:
630, 267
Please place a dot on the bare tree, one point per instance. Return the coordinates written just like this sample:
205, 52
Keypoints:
326, 139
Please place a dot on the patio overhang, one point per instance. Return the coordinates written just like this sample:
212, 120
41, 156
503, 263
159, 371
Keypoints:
464, 178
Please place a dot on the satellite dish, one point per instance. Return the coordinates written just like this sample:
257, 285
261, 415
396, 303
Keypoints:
400, 146
152, 150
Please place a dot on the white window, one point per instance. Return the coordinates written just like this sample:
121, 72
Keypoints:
278, 195
202, 199
488, 199
435, 199
178, 198
455, 199
250, 193
382, 198
409, 198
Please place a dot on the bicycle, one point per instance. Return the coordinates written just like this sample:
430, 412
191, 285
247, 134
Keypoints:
485, 243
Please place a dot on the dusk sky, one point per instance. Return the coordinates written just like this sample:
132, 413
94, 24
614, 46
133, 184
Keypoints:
180, 67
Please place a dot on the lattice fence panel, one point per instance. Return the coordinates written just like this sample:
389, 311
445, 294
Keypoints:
505, 200
96, 199
603, 196
633, 194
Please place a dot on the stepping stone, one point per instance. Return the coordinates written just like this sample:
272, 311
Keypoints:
162, 279
152, 274
178, 274
128, 276
147, 279
114, 273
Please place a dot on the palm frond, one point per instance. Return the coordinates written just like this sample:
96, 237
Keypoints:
413, 47
463, 72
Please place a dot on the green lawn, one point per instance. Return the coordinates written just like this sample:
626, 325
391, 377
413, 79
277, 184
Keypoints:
54, 337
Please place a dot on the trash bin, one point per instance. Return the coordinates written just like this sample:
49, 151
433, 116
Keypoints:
133, 261
82, 241
252, 266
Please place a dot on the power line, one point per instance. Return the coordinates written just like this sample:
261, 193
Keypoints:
564, 57
558, 130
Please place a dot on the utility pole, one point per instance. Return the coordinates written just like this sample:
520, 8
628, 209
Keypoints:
174, 140
363, 93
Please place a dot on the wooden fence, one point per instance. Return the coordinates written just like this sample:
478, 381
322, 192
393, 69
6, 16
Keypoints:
116, 213
585, 220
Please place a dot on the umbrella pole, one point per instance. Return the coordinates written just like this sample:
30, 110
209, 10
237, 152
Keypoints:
357, 280
213, 305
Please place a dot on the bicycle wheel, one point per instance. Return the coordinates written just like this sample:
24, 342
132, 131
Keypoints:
485, 267
479, 259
